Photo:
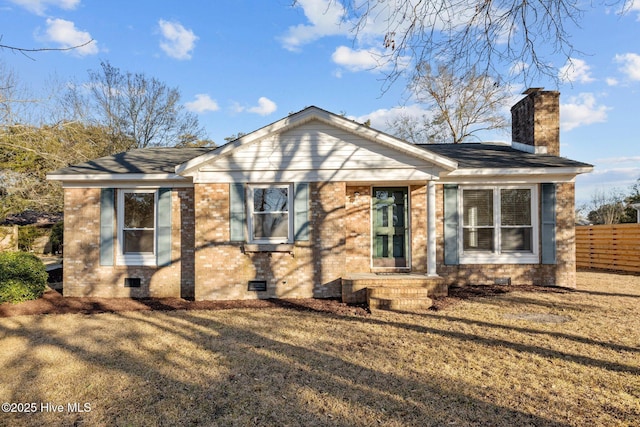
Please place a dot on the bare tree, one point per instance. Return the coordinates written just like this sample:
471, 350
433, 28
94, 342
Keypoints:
607, 207
140, 111
460, 106
487, 34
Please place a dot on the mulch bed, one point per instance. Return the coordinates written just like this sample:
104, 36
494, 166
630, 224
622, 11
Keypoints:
52, 302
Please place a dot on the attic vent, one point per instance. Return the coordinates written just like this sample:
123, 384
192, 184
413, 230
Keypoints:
257, 285
132, 282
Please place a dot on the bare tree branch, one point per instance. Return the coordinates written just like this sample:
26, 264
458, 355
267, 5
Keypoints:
25, 51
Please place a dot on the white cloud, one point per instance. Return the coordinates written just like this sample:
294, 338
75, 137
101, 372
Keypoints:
582, 110
630, 65
264, 108
575, 70
325, 18
356, 60
40, 6
178, 42
611, 81
67, 35
202, 104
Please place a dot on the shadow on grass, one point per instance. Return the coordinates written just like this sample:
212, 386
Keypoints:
513, 328
500, 343
257, 379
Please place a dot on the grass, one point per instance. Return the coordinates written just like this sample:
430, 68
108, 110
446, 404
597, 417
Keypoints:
499, 361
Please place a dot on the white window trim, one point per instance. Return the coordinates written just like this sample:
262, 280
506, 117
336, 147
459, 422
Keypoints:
497, 257
143, 258
290, 213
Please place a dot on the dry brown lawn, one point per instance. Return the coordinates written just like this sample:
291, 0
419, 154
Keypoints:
518, 359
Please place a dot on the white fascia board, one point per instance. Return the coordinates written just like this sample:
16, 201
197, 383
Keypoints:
122, 180
309, 114
501, 178
117, 177
317, 175
519, 171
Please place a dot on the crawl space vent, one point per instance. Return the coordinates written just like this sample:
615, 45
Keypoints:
257, 285
132, 282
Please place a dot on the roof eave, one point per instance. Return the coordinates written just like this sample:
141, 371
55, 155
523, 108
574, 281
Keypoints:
116, 177
475, 172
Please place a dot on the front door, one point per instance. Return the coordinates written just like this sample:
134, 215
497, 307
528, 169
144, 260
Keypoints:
390, 227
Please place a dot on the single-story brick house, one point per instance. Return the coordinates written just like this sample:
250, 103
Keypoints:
298, 207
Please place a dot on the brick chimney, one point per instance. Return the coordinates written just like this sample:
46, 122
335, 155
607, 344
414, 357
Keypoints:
535, 122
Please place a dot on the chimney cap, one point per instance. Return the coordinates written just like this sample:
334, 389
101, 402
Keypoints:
532, 90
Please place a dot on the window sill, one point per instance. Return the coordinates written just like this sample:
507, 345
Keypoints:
136, 260
268, 247
500, 259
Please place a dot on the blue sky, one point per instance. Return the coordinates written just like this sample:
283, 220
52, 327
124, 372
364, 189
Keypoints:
241, 64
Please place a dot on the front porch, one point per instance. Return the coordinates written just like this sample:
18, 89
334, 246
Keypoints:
384, 291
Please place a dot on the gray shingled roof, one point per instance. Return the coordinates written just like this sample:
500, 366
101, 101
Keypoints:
143, 161
493, 156
468, 156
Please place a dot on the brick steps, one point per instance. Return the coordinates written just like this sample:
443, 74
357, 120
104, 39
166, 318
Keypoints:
399, 298
395, 292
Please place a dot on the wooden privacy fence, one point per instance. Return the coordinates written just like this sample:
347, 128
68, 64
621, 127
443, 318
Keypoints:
610, 247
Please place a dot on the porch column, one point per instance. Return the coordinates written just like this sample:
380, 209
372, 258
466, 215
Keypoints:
431, 229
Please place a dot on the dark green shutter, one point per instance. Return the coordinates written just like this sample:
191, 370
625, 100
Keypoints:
237, 217
451, 219
107, 216
164, 226
548, 233
301, 209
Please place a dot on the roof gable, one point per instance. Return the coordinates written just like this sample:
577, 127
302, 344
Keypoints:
310, 114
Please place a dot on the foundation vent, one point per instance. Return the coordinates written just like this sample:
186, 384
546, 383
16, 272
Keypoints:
257, 285
132, 282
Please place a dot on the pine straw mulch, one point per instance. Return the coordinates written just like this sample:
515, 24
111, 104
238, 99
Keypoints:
52, 302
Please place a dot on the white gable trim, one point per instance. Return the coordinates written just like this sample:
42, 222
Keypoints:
307, 115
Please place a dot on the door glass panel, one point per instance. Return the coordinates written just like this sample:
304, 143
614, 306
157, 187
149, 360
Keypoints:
389, 227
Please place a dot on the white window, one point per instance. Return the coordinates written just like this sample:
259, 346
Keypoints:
270, 216
499, 225
137, 227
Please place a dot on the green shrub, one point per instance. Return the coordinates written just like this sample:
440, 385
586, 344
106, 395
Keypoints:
22, 277
27, 235
57, 237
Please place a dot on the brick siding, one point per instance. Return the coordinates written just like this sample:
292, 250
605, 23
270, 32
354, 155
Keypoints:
83, 275
563, 273
309, 269
207, 266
